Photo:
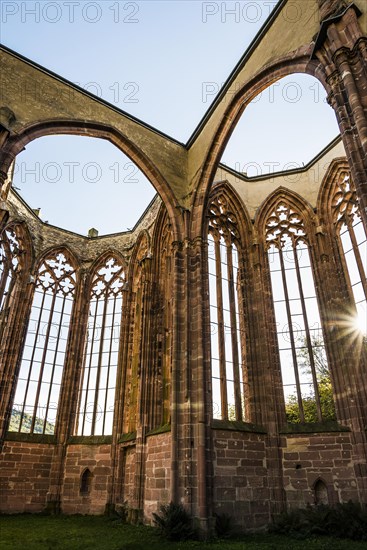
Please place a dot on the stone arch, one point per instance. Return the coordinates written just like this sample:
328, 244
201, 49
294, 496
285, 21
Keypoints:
97, 130
160, 223
239, 209
324, 201
54, 250
296, 62
142, 249
99, 261
294, 200
27, 256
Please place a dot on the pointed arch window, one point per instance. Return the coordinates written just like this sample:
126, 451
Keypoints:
226, 323
38, 387
353, 240
304, 368
96, 400
10, 252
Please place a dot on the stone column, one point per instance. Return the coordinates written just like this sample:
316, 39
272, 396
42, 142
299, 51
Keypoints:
144, 387
12, 346
342, 50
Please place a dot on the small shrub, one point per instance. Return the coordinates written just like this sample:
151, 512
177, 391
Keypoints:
121, 511
173, 522
347, 520
223, 525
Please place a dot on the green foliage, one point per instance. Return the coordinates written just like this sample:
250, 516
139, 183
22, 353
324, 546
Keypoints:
309, 404
323, 384
40, 532
26, 424
223, 525
173, 522
347, 520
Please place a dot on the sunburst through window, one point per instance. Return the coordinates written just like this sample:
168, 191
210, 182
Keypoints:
306, 380
353, 240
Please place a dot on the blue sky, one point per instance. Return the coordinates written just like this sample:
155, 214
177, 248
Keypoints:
163, 62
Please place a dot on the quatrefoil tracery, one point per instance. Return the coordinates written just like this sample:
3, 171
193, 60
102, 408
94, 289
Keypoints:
284, 226
222, 221
57, 274
109, 279
345, 202
10, 250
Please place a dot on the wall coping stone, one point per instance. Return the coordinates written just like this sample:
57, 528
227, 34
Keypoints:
237, 425
314, 427
31, 438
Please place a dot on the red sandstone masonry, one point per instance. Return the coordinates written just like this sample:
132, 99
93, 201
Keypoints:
24, 476
311, 457
157, 472
78, 458
240, 483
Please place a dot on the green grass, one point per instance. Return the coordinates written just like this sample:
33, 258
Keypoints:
38, 532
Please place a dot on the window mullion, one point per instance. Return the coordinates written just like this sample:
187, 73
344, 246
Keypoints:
308, 337
100, 357
89, 366
235, 356
3, 281
357, 255
54, 361
32, 359
291, 335
49, 324
109, 362
221, 338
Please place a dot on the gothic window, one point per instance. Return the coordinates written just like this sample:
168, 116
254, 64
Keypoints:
306, 380
10, 251
226, 328
38, 388
352, 237
96, 401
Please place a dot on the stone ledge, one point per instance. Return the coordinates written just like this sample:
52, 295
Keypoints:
160, 430
90, 440
31, 438
316, 427
125, 438
237, 425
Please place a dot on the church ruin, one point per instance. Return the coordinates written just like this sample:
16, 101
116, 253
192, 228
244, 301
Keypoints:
211, 355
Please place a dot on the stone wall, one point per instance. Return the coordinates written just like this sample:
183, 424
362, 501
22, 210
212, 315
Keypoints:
240, 484
157, 472
97, 458
312, 457
24, 476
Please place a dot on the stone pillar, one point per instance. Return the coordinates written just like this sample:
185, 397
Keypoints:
144, 389
179, 397
12, 346
198, 445
341, 48
346, 356
266, 392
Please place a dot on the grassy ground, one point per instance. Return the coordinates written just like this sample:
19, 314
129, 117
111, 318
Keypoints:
36, 532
